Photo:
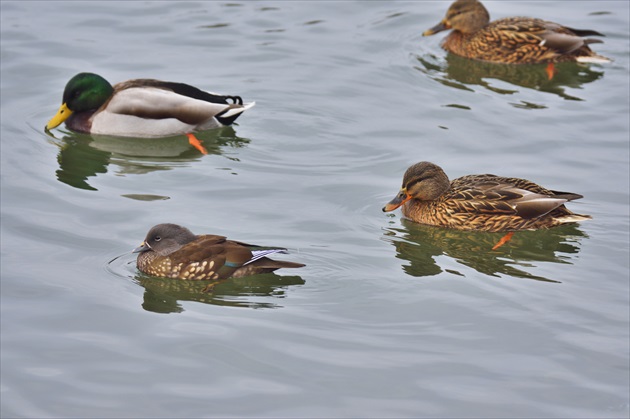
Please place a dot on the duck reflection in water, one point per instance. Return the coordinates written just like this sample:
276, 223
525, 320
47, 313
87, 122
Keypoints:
421, 245
462, 73
82, 156
164, 295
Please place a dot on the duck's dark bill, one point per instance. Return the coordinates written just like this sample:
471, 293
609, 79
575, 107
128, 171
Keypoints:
400, 199
142, 248
437, 28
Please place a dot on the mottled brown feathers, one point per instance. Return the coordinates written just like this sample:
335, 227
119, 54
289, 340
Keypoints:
480, 202
512, 40
173, 251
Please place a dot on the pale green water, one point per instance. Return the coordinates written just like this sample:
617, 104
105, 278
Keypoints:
388, 318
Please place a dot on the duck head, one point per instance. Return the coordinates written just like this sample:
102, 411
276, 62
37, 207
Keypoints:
165, 239
466, 16
423, 181
84, 92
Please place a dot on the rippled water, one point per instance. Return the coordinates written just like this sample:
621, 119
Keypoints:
388, 318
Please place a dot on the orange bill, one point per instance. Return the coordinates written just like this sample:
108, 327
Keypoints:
400, 199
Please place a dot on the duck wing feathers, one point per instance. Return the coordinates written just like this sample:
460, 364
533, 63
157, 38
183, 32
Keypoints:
493, 195
552, 35
154, 99
213, 248
228, 258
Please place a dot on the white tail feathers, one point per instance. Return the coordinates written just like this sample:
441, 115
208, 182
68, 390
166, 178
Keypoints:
573, 218
237, 109
258, 254
595, 59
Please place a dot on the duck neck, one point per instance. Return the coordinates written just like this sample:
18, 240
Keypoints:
456, 42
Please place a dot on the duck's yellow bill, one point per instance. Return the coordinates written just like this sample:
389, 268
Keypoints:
62, 114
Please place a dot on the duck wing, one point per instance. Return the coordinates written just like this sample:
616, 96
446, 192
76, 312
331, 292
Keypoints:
551, 35
214, 254
493, 195
153, 103
155, 99
181, 89
565, 43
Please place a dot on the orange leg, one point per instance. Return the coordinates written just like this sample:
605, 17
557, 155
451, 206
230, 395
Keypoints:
503, 240
551, 70
196, 143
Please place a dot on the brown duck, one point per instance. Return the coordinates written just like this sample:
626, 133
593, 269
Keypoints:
480, 202
512, 40
173, 251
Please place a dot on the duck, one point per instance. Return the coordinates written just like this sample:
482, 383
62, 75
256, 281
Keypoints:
145, 108
513, 40
173, 251
482, 202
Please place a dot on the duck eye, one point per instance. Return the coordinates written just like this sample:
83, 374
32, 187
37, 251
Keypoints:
157, 238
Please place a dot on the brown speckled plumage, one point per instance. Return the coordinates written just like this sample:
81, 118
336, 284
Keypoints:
512, 40
480, 202
172, 251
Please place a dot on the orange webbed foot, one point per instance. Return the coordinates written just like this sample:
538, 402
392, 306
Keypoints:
551, 70
196, 143
503, 240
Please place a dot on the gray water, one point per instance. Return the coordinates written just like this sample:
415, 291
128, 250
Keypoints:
388, 318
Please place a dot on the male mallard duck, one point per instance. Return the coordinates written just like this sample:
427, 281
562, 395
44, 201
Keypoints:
173, 251
142, 108
512, 40
480, 202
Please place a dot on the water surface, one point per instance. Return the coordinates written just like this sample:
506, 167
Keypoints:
388, 318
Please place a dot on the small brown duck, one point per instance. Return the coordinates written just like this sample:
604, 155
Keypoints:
512, 40
173, 251
480, 202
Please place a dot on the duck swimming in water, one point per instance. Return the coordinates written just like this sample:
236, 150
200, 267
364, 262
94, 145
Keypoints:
143, 108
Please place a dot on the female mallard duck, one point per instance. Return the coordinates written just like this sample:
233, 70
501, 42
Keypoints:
142, 108
173, 251
480, 202
513, 40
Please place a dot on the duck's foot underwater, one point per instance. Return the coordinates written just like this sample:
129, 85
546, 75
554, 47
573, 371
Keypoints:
503, 240
196, 143
551, 70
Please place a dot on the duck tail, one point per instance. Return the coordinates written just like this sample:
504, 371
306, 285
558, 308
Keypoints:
573, 218
593, 59
260, 260
585, 32
264, 265
272, 264
261, 253
569, 196
588, 41
228, 116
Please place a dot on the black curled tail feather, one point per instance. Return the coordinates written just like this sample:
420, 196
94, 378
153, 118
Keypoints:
227, 120
236, 100
195, 93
